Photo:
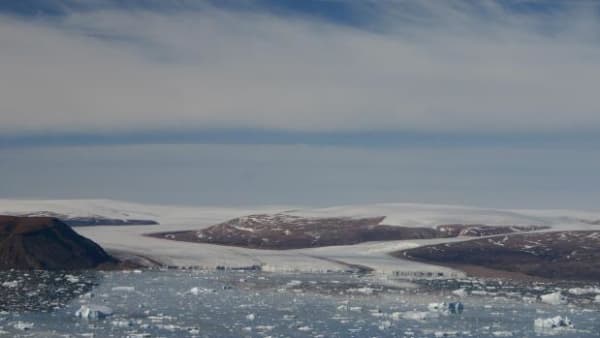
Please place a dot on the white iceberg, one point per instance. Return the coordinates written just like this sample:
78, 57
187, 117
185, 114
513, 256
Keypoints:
384, 325
122, 323
555, 298
72, 279
198, 291
364, 290
93, 312
460, 293
23, 326
552, 325
11, 284
124, 288
413, 315
446, 308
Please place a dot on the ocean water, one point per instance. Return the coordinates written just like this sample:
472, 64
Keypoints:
184, 303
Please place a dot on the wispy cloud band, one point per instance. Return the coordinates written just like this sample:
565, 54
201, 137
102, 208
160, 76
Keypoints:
428, 66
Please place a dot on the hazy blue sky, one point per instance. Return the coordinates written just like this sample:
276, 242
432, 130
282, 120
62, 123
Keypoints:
491, 102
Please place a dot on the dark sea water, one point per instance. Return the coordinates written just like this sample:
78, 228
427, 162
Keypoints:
178, 303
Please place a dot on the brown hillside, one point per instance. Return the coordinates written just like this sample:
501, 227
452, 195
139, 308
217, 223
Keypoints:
46, 243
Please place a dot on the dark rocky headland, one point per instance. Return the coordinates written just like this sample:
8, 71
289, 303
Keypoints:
46, 243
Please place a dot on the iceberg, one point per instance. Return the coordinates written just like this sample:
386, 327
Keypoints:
93, 312
23, 326
446, 308
555, 298
552, 325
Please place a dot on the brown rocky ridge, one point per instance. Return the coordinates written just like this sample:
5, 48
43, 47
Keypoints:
565, 255
29, 243
283, 231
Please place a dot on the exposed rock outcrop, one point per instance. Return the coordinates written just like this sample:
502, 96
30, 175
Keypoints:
285, 231
47, 243
554, 255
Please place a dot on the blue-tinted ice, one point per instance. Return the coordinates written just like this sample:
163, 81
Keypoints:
179, 303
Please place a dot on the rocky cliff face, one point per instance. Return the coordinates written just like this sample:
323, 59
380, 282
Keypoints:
46, 243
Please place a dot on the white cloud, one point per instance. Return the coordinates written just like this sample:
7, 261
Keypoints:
449, 70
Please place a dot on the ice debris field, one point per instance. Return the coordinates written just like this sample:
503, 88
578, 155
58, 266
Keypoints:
196, 303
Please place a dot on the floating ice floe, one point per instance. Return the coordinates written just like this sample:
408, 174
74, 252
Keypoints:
93, 312
11, 284
597, 299
72, 279
384, 325
293, 283
446, 308
555, 298
364, 290
460, 293
502, 334
413, 315
169, 327
124, 288
197, 291
23, 326
122, 323
584, 291
251, 316
554, 325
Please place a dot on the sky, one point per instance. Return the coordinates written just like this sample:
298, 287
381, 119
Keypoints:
244, 102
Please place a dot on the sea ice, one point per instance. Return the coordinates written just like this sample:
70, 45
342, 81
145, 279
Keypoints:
584, 291
552, 325
122, 323
364, 290
23, 326
197, 291
555, 298
460, 293
93, 312
72, 279
412, 315
446, 308
124, 288
12, 284
384, 325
